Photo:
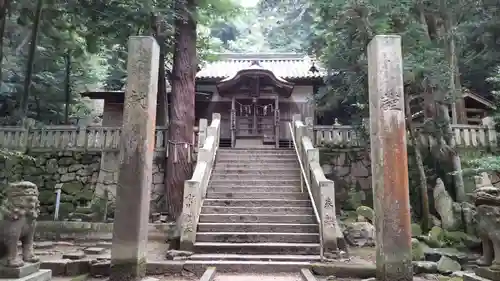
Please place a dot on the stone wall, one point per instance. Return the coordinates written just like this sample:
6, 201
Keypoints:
351, 171
85, 177
78, 171
95, 231
108, 175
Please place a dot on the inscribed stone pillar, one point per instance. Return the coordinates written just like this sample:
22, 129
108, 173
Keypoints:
389, 159
129, 249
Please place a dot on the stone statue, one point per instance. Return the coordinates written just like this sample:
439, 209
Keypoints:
487, 201
18, 213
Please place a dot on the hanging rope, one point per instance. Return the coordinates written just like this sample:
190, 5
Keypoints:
247, 108
181, 145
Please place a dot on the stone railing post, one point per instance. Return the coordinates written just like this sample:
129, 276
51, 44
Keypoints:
309, 122
216, 116
24, 137
491, 132
295, 118
329, 224
202, 132
191, 207
299, 133
82, 138
311, 155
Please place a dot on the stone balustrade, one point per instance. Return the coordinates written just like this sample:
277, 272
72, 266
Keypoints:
69, 138
349, 136
321, 190
195, 189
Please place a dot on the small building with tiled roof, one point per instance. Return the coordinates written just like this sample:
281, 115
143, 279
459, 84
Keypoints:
256, 94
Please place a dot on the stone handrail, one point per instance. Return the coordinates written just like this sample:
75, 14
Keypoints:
322, 190
195, 189
465, 136
303, 175
69, 138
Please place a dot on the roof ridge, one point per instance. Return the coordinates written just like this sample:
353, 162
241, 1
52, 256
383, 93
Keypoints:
259, 56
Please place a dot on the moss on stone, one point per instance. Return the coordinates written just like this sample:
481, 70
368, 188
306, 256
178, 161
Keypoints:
125, 270
72, 188
417, 250
416, 230
47, 197
82, 277
366, 212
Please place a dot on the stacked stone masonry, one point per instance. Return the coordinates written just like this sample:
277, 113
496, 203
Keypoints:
82, 174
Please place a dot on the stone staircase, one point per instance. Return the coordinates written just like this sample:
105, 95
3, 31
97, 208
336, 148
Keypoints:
255, 212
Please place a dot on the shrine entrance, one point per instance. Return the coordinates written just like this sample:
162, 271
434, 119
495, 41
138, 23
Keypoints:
255, 118
255, 93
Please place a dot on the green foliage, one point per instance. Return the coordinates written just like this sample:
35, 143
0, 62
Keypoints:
95, 36
6, 154
489, 164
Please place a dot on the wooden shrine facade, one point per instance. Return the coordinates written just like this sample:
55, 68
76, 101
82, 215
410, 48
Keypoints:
256, 95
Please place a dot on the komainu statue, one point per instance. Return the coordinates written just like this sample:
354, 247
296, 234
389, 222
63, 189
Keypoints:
487, 201
18, 213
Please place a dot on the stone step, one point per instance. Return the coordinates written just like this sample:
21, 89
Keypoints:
257, 210
257, 171
257, 157
256, 182
259, 227
240, 266
252, 165
257, 203
259, 151
272, 160
253, 189
289, 154
261, 218
257, 248
245, 177
41, 275
257, 237
236, 257
258, 195
263, 152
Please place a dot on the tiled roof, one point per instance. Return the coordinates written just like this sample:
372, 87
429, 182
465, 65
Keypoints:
286, 66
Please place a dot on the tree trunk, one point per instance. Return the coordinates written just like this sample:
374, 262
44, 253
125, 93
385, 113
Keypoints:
3, 20
422, 178
183, 94
162, 115
451, 56
159, 33
30, 63
67, 88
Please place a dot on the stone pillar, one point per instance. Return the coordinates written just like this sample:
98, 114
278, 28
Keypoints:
309, 122
389, 159
233, 121
491, 134
202, 132
130, 231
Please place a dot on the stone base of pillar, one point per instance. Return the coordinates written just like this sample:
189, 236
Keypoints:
127, 270
400, 270
487, 273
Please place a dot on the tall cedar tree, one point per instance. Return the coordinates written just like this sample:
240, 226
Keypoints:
182, 104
